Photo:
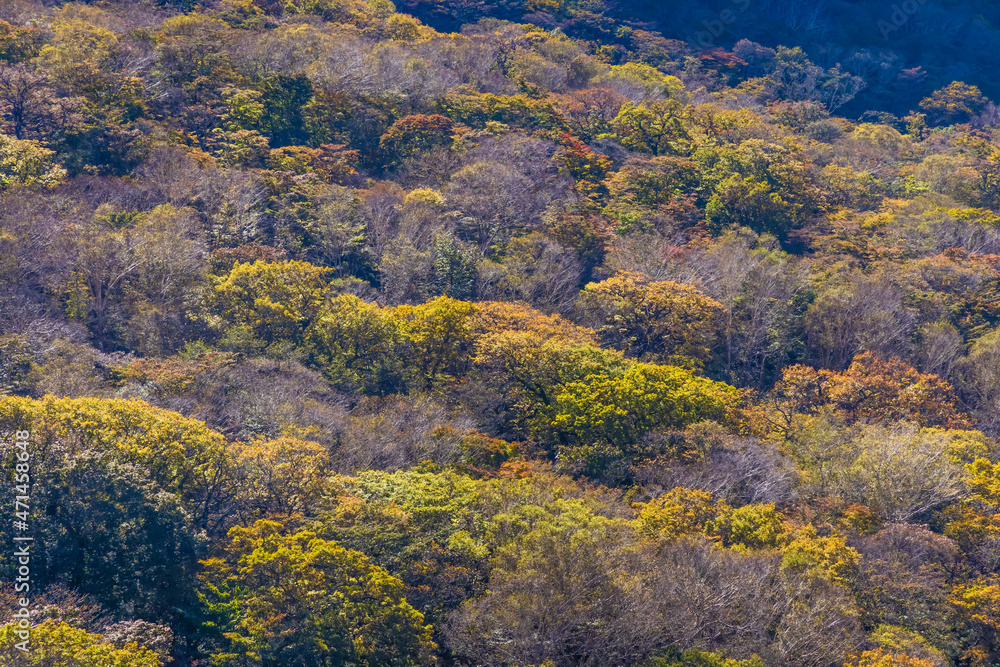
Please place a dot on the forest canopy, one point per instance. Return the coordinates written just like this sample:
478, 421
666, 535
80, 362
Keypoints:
521, 333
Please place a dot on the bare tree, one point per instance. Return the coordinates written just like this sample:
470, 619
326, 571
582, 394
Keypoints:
30, 108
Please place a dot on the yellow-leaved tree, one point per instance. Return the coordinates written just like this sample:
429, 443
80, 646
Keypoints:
55, 643
358, 344
119, 490
273, 301
298, 599
438, 338
652, 320
27, 162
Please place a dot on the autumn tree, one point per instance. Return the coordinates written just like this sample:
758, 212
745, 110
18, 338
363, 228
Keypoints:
586, 234
652, 320
978, 604
297, 599
880, 658
51, 643
956, 102
704, 456
598, 421
591, 111
496, 199
535, 270
526, 370
279, 478
974, 521
658, 193
901, 471
189, 47
639, 80
871, 390
416, 133
31, 108
80, 55
495, 317
758, 184
438, 337
560, 590
274, 301
678, 512
660, 128
979, 382
357, 343
146, 476
169, 283
18, 43
586, 166
26, 162
696, 658
763, 292
856, 314
904, 583
327, 223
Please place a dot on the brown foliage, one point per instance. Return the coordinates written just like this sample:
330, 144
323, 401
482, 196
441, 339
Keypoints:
872, 390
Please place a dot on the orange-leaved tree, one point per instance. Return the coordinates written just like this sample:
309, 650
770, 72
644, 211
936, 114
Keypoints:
872, 390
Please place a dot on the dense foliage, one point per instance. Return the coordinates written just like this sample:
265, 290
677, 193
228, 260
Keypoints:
509, 333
